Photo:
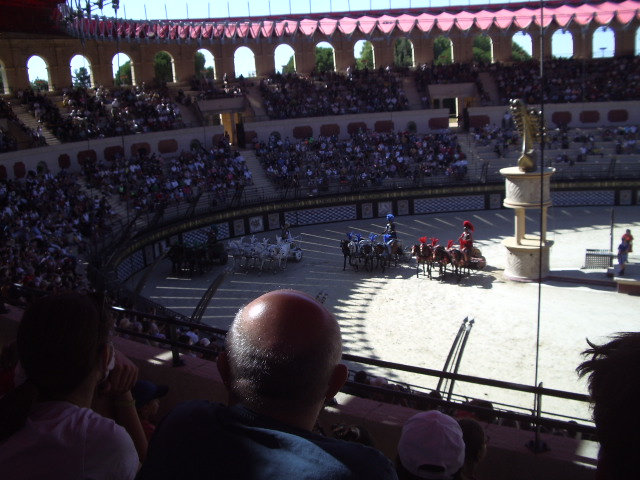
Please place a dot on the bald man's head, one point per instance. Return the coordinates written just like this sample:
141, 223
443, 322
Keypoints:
282, 350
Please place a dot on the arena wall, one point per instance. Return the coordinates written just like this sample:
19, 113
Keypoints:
573, 115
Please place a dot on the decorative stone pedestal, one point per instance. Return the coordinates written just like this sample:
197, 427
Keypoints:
524, 252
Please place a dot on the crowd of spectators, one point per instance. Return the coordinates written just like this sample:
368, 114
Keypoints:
8, 142
209, 89
104, 112
150, 183
432, 74
575, 145
569, 80
206, 345
47, 220
365, 159
332, 93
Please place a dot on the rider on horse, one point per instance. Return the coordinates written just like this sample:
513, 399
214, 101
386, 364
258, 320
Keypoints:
390, 234
466, 240
286, 233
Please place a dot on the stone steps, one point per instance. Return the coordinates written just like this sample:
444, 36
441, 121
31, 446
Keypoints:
262, 186
29, 120
411, 92
489, 85
254, 97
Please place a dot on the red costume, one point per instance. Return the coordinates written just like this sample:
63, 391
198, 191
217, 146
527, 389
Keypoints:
466, 240
629, 239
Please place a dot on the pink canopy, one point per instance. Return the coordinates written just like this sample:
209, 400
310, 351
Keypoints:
370, 24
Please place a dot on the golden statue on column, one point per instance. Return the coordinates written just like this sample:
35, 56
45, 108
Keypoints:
529, 123
527, 189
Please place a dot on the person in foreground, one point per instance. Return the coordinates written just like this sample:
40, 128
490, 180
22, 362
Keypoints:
280, 364
47, 427
614, 387
431, 446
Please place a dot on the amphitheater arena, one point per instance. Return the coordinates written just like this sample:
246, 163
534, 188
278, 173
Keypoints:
522, 332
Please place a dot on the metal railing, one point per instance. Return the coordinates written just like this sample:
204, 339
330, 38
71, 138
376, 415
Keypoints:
412, 394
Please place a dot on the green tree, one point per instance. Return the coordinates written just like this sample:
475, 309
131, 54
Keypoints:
324, 59
365, 59
403, 53
482, 49
519, 54
162, 66
442, 51
1, 84
39, 84
199, 62
123, 75
81, 78
289, 67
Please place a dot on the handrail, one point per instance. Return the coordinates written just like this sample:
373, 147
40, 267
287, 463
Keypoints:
468, 378
535, 418
385, 364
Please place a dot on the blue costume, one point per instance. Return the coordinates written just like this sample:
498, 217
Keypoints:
390, 234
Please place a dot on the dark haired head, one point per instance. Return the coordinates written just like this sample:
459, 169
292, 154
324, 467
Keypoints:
60, 339
60, 342
614, 386
474, 440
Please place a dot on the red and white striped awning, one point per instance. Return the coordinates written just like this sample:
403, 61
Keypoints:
373, 23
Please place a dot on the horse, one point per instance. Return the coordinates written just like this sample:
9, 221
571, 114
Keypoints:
424, 256
397, 252
442, 258
282, 254
457, 261
346, 251
366, 252
380, 255
177, 256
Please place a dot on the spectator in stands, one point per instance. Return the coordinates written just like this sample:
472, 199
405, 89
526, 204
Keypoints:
47, 426
431, 446
45, 221
614, 387
280, 365
475, 443
332, 93
366, 158
105, 113
147, 396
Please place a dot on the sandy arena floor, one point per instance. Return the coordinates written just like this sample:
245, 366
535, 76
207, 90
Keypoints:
398, 317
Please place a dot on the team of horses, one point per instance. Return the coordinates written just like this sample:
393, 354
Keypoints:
433, 255
196, 259
255, 255
370, 253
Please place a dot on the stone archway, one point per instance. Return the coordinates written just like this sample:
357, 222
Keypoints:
39, 73
285, 58
244, 62
562, 44
81, 71
123, 69
325, 57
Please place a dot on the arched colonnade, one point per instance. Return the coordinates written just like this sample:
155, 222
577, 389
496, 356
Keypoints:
57, 52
